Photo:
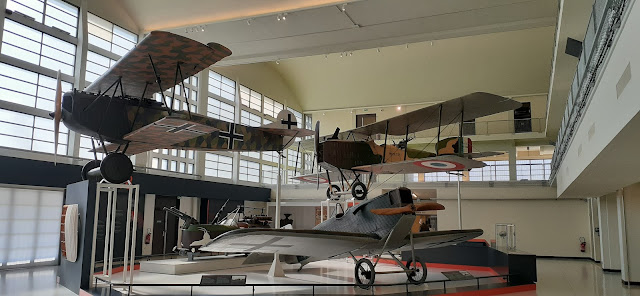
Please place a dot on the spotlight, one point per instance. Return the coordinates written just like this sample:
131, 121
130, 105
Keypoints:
277, 62
407, 45
378, 49
341, 54
399, 108
344, 7
326, 56
284, 16
431, 43
351, 54
279, 18
248, 22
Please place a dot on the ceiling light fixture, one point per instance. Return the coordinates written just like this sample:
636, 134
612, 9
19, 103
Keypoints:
344, 7
284, 16
278, 62
248, 22
399, 108
351, 54
378, 49
279, 18
341, 54
326, 56
431, 43
407, 45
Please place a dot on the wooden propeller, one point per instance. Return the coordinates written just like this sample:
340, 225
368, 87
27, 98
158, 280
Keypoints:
409, 209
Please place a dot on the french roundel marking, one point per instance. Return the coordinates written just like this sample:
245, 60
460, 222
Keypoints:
440, 165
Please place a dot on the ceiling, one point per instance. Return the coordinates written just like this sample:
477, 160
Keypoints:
256, 37
164, 14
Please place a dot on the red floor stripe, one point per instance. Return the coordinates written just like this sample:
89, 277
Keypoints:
447, 266
496, 291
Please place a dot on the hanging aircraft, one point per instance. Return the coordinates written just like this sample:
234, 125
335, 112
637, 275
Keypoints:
346, 156
119, 108
374, 227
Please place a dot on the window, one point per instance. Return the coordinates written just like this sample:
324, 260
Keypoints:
308, 162
85, 146
533, 169
30, 222
440, 177
33, 46
271, 107
250, 119
58, 14
24, 131
107, 36
252, 154
291, 174
270, 156
220, 110
175, 160
28, 88
249, 171
222, 86
493, 171
97, 64
293, 160
216, 165
250, 98
269, 174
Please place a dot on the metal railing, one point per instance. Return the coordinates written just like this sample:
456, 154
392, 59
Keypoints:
130, 286
603, 25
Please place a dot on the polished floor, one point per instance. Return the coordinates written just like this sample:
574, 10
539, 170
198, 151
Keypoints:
555, 277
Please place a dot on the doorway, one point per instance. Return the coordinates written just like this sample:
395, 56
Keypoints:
364, 119
165, 226
522, 118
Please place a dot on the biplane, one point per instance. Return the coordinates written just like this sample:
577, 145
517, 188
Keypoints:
377, 226
346, 156
118, 109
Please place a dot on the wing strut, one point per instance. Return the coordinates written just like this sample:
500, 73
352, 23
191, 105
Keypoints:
384, 150
439, 125
406, 138
186, 98
159, 81
460, 142
139, 105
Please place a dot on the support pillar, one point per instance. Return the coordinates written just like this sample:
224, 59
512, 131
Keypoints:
609, 236
629, 227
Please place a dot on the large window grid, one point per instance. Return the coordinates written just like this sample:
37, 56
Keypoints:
30, 221
298, 116
97, 64
28, 88
249, 171
533, 169
250, 119
35, 47
220, 110
174, 160
217, 165
24, 131
272, 107
269, 174
59, 14
250, 98
493, 171
86, 146
110, 37
222, 86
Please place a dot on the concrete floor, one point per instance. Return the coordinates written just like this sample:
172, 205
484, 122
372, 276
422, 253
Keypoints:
555, 277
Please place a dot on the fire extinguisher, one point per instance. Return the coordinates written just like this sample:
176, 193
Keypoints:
583, 244
147, 238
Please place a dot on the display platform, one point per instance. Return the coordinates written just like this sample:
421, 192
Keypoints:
310, 281
183, 266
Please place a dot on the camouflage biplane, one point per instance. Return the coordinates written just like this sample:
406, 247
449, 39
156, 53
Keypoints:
346, 156
119, 108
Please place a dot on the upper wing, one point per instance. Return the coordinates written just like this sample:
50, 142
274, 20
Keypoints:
316, 243
442, 163
166, 49
475, 105
434, 239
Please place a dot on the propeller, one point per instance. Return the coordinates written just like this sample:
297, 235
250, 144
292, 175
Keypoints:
409, 209
316, 143
57, 117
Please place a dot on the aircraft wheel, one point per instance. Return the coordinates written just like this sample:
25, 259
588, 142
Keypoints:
418, 272
116, 168
332, 189
365, 275
87, 167
359, 190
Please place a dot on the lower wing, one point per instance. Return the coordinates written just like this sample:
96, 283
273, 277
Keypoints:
443, 163
316, 243
434, 239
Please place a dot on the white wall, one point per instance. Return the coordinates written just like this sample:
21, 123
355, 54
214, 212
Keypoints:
543, 227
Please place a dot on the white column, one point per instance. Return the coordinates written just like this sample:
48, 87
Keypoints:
629, 227
609, 237
595, 229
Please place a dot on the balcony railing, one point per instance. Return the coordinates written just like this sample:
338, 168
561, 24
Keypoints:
603, 25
